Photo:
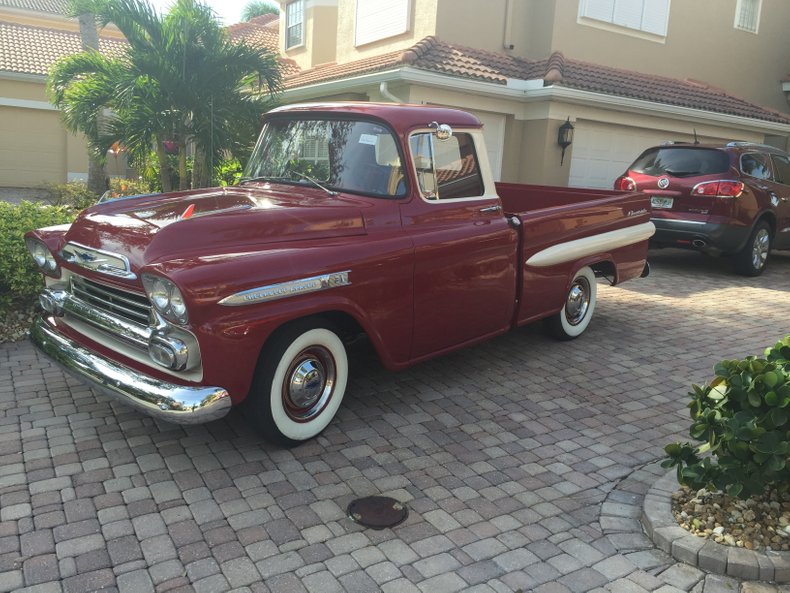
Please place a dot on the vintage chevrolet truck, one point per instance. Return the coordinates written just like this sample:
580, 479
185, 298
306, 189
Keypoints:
353, 218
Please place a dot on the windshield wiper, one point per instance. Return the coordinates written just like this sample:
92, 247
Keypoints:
317, 184
264, 178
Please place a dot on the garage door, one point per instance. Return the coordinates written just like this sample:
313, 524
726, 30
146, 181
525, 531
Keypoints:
33, 150
602, 152
494, 134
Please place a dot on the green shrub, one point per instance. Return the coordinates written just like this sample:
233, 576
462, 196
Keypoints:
228, 172
74, 194
742, 418
120, 187
20, 278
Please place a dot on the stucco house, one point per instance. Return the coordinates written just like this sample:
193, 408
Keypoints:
35, 148
628, 74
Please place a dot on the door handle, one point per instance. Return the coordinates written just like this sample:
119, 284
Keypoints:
490, 209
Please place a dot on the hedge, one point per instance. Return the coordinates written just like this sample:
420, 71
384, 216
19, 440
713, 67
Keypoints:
20, 278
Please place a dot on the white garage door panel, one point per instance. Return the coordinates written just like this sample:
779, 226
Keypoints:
494, 134
602, 152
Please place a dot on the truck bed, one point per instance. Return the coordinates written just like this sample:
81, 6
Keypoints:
523, 199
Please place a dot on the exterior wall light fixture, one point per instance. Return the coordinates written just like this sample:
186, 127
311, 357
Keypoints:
565, 137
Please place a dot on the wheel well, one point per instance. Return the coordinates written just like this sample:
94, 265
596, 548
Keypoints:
770, 219
605, 269
347, 327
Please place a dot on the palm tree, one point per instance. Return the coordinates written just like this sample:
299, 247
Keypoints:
89, 37
258, 8
181, 80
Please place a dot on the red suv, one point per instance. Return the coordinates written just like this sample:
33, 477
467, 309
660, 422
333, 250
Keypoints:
731, 199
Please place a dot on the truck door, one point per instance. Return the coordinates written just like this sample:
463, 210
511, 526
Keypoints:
464, 248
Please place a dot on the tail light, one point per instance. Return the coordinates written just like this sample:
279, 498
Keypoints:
718, 189
625, 183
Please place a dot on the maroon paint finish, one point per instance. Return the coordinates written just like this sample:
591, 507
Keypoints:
425, 277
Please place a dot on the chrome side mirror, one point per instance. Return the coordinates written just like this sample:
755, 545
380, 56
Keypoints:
441, 131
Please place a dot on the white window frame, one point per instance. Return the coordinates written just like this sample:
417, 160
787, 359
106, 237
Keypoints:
610, 25
289, 24
739, 25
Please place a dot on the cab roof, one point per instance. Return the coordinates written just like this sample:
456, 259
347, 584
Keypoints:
400, 116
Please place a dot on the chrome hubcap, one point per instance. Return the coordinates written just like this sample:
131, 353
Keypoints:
308, 384
760, 247
578, 301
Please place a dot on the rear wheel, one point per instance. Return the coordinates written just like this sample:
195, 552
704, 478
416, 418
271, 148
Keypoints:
579, 305
299, 383
753, 258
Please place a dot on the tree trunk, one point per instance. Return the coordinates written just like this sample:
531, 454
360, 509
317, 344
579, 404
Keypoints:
201, 175
97, 175
164, 167
183, 180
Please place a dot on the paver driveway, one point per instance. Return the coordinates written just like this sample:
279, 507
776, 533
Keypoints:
504, 453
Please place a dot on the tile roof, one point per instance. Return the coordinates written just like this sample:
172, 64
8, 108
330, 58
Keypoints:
33, 50
434, 55
262, 31
49, 6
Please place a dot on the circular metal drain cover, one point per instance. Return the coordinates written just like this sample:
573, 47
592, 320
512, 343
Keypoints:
377, 512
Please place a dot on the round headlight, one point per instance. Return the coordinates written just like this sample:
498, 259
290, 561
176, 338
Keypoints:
50, 263
160, 295
177, 306
39, 253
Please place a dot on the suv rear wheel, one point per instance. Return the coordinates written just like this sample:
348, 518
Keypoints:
752, 259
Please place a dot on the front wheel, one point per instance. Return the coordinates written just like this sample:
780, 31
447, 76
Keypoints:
752, 259
299, 383
579, 305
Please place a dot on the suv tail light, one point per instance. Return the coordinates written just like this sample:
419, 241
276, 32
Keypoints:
718, 189
625, 183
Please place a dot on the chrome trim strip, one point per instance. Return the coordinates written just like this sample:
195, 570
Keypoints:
82, 256
179, 404
675, 220
578, 248
273, 292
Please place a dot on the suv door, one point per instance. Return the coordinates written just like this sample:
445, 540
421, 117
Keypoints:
780, 199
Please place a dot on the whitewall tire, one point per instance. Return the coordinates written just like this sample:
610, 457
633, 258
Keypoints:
299, 384
578, 307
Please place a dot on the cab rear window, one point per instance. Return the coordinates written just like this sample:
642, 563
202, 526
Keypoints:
678, 161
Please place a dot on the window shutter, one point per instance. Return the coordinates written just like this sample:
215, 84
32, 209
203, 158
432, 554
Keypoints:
602, 10
628, 13
379, 19
747, 15
656, 16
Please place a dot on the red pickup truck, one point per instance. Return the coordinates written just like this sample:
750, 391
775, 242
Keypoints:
353, 218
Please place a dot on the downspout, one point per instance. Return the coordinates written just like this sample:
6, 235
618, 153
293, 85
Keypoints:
385, 92
507, 43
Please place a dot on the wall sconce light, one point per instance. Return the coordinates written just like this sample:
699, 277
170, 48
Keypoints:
565, 137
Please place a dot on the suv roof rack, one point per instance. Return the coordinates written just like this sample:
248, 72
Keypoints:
752, 144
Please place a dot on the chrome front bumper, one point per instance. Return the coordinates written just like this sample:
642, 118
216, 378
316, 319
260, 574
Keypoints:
167, 401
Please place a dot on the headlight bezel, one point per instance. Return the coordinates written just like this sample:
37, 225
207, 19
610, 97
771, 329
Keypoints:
162, 293
43, 257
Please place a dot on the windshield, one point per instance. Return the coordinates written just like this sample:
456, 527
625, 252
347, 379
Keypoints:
342, 155
681, 162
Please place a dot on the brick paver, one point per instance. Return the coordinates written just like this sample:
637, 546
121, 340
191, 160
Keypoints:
510, 456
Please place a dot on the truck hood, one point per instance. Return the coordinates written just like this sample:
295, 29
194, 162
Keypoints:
148, 229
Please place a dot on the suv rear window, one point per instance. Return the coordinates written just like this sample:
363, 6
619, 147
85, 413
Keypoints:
681, 162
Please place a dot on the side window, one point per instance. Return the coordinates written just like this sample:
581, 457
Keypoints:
755, 164
781, 168
446, 169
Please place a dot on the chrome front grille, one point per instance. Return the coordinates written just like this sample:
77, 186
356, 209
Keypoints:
131, 306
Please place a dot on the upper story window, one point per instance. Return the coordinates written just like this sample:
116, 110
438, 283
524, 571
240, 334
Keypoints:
379, 19
648, 16
446, 169
294, 24
747, 15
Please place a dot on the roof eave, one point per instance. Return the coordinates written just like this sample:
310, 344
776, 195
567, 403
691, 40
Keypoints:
414, 75
22, 76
